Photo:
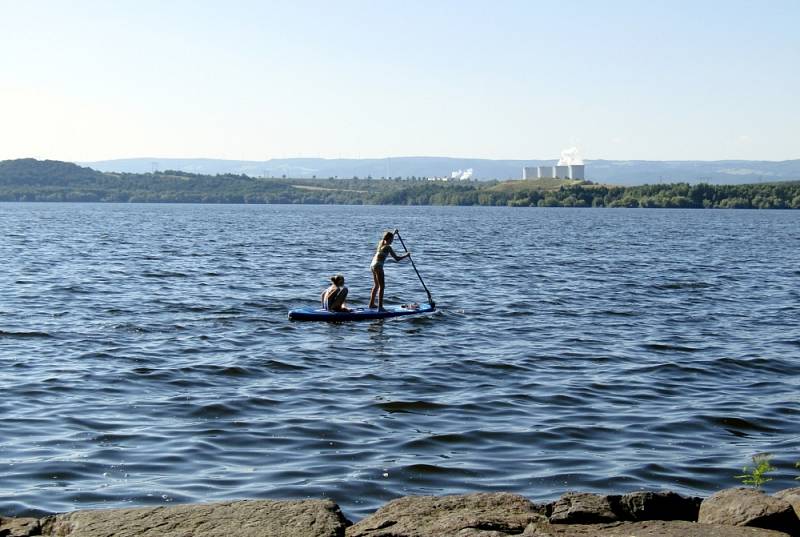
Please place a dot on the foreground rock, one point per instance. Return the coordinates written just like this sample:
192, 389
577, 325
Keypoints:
748, 507
585, 508
729, 513
469, 515
659, 506
256, 518
653, 528
19, 527
572, 515
792, 496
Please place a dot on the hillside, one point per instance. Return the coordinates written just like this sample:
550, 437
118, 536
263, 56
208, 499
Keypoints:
527, 185
46, 173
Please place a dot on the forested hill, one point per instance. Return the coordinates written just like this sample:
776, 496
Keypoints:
33, 180
28, 171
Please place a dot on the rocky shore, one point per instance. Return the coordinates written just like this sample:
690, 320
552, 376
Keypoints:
737, 512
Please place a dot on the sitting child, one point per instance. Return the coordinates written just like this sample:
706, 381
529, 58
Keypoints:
334, 296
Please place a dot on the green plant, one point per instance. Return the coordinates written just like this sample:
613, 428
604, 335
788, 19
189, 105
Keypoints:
756, 476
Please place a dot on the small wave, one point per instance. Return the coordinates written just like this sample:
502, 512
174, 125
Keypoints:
23, 509
739, 426
451, 438
669, 369
428, 443
666, 347
409, 406
231, 310
283, 366
683, 285
262, 402
214, 410
181, 307
564, 400
113, 438
74, 289
617, 313
433, 469
165, 275
212, 369
97, 355
152, 373
235, 371
255, 304
494, 366
130, 327
4, 333
91, 424
770, 365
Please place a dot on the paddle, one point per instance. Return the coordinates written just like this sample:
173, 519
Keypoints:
430, 298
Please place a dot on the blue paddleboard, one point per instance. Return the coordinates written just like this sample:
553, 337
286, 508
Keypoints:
357, 314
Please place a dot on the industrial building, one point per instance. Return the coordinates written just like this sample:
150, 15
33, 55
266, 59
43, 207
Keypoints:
545, 172
576, 171
571, 171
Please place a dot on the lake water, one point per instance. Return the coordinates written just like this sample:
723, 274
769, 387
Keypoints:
146, 357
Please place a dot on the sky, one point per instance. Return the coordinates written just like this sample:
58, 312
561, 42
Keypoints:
84, 80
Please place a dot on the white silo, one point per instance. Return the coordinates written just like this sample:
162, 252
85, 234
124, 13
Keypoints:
576, 171
545, 172
561, 172
529, 172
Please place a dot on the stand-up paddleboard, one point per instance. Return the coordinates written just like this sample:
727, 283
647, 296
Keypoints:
358, 314
368, 314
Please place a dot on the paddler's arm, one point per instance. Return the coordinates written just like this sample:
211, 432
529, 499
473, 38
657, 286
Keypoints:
398, 257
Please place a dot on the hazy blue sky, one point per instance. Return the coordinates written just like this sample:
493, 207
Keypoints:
91, 80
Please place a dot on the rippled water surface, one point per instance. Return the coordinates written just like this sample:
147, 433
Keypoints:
146, 356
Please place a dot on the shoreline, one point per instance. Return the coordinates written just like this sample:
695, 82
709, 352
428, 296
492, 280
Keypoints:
734, 512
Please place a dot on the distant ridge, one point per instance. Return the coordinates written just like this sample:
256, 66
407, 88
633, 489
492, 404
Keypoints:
620, 172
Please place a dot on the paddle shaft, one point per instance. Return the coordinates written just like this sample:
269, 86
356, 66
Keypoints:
430, 299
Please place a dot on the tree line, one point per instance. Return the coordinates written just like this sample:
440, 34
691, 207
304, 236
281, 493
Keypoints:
31, 180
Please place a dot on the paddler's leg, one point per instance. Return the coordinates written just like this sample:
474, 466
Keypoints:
381, 285
374, 291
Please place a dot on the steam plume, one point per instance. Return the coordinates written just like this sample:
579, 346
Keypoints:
569, 157
461, 174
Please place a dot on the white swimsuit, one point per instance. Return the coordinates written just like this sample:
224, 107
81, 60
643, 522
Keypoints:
380, 257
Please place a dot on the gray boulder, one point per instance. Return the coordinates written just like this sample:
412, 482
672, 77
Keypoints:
792, 496
585, 508
659, 506
748, 507
19, 527
654, 528
253, 518
468, 515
